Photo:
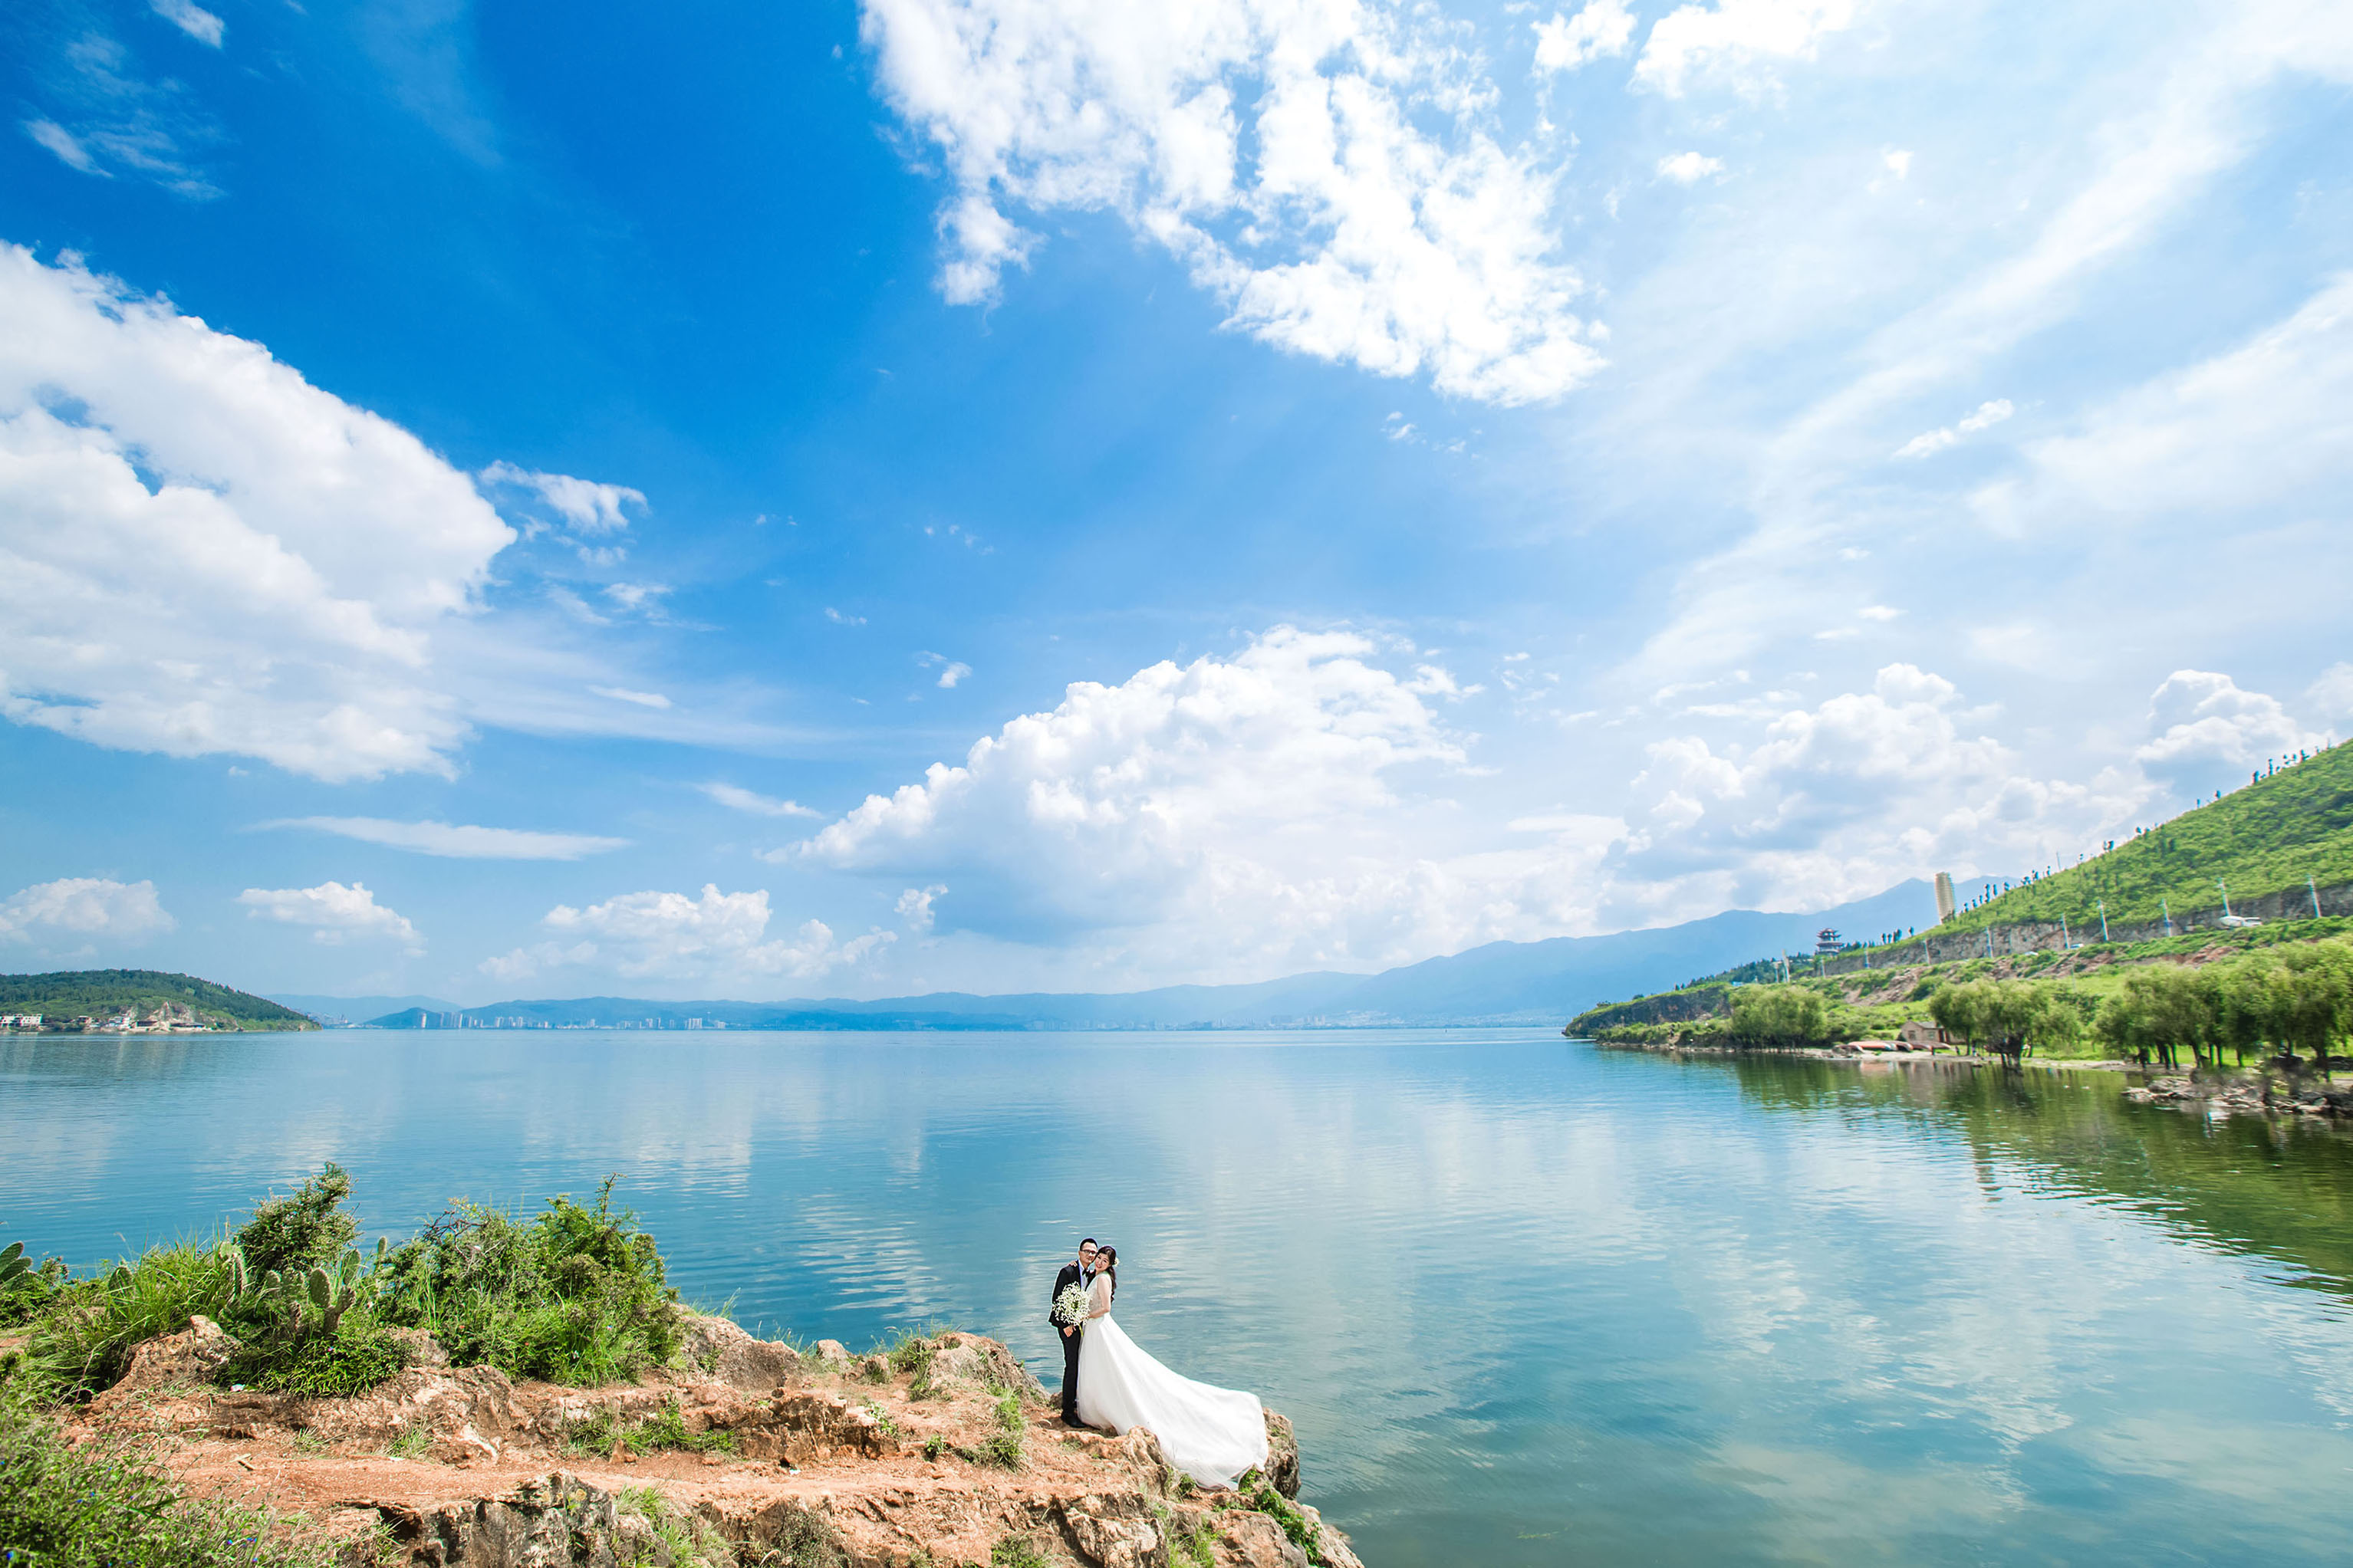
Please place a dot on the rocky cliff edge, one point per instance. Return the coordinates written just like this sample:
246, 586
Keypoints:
748, 1451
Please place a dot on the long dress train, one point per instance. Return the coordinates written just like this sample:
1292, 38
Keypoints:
1211, 1434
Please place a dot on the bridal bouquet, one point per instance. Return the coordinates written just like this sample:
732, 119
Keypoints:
1071, 1306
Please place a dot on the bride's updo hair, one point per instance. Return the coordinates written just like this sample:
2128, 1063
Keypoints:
1107, 1262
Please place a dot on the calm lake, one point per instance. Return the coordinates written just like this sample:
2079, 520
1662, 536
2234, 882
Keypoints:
1529, 1302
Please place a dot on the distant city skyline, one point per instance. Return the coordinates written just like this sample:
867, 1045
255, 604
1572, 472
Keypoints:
963, 495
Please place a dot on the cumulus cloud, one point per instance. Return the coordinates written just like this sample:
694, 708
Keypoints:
1930, 442
951, 670
1845, 797
1334, 175
2201, 721
676, 936
738, 799
1689, 168
83, 907
190, 19
334, 913
586, 506
1232, 817
202, 553
458, 841
1603, 28
915, 907
1736, 43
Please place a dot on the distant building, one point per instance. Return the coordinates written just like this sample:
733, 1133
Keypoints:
1826, 941
1921, 1034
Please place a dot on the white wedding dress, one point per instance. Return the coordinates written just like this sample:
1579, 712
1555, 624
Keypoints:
1213, 1435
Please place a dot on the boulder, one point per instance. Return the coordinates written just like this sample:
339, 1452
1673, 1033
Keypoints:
981, 1362
1282, 1453
727, 1353
177, 1363
830, 1355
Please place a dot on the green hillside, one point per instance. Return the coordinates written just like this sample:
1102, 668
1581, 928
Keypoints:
2265, 837
107, 993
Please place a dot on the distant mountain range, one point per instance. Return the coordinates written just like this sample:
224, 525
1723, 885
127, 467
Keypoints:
1500, 982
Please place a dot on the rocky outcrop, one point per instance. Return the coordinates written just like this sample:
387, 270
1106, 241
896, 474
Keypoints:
741, 1452
725, 1352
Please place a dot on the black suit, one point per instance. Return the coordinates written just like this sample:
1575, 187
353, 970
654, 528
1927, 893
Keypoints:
1071, 1274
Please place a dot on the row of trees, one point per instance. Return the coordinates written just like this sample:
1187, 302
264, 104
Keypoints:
2289, 1001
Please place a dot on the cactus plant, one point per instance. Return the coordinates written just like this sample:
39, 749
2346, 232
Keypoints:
334, 1294
236, 1282
13, 1271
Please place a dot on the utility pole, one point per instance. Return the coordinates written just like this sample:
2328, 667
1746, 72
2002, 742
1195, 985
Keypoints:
2315, 891
2104, 922
2226, 898
2166, 910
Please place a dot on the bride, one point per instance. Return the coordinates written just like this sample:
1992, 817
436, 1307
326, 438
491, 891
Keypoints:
1213, 1435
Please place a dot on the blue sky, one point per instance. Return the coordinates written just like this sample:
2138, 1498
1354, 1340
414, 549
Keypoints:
768, 501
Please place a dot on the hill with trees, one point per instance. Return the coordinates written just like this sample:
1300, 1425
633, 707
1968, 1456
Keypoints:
104, 994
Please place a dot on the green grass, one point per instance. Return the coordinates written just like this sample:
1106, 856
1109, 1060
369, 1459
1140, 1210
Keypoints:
109, 1502
1016, 1552
83, 1338
664, 1429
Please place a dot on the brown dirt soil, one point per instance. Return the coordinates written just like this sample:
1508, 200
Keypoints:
461, 1466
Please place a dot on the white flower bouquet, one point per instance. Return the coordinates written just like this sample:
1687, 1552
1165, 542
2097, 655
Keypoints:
1071, 1306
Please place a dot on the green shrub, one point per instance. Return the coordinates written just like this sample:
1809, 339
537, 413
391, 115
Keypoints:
1258, 1494
1016, 1552
575, 1295
665, 1428
360, 1353
110, 1503
306, 1228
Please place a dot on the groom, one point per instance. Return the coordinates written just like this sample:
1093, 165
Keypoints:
1081, 1274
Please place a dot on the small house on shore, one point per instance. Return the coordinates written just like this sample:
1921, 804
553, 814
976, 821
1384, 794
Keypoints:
1920, 1035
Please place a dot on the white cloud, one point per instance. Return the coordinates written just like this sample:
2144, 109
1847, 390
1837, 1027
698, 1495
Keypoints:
837, 618
1603, 28
1333, 175
83, 907
744, 800
457, 841
585, 505
202, 553
1234, 817
675, 936
65, 145
653, 699
915, 907
1897, 162
2201, 721
1846, 797
190, 19
1689, 168
1736, 43
951, 670
334, 913
1929, 442
105, 118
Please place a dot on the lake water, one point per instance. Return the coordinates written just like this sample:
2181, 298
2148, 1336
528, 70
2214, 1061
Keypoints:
1529, 1302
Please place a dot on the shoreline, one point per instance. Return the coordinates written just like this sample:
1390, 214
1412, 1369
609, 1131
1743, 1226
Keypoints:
2204, 1090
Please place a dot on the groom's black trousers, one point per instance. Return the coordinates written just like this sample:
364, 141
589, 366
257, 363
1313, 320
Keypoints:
1071, 1344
